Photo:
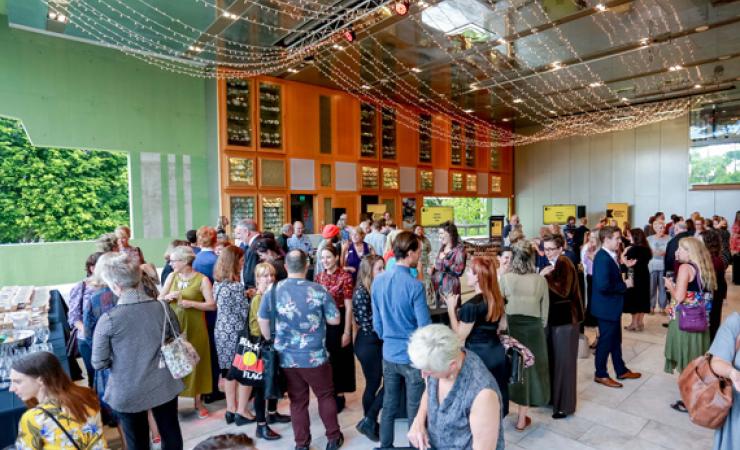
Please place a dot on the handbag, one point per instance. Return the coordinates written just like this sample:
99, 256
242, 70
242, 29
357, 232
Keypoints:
248, 366
707, 396
178, 355
693, 317
274, 386
515, 361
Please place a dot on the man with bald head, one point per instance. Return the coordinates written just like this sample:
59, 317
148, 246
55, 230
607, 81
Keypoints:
300, 241
513, 222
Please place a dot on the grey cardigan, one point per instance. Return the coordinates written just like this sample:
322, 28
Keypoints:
127, 340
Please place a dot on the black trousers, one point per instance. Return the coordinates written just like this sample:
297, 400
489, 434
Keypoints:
259, 404
369, 350
136, 427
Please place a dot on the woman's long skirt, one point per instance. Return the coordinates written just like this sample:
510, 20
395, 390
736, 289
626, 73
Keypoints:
535, 390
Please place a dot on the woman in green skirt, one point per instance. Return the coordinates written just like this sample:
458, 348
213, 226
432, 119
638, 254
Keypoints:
696, 278
527, 305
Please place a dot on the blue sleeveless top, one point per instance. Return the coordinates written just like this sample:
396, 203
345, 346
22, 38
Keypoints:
448, 424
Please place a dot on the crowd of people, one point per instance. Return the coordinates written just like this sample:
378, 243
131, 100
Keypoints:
379, 294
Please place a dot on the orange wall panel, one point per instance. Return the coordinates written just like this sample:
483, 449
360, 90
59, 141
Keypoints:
345, 127
301, 118
440, 147
407, 144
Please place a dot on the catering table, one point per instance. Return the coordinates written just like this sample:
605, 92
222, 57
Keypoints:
11, 407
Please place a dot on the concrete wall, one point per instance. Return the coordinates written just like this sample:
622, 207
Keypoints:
74, 95
646, 167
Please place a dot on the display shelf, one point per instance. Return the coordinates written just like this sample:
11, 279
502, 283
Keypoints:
388, 133
456, 182
471, 183
242, 207
470, 145
238, 113
368, 131
271, 125
369, 177
390, 178
426, 181
425, 138
241, 171
273, 213
495, 159
495, 184
456, 144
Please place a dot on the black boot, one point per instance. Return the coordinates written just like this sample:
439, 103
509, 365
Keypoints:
276, 417
266, 433
368, 427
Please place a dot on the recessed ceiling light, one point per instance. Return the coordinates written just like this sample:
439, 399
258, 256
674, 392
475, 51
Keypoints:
502, 41
595, 84
415, 69
229, 15
62, 18
505, 119
292, 70
468, 110
600, 7
195, 48
365, 86
724, 57
337, 47
556, 65
474, 86
697, 86
517, 100
644, 41
625, 99
552, 111
675, 68
422, 4
701, 28
52, 15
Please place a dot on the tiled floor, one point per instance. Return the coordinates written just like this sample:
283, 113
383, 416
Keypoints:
637, 417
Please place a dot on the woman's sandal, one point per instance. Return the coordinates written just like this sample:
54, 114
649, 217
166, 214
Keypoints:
679, 406
527, 423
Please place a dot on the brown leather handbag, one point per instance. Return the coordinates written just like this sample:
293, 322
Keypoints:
707, 396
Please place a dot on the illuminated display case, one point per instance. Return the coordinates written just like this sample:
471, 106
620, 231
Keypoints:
470, 145
388, 133
271, 126
425, 138
495, 158
495, 184
456, 184
390, 178
238, 113
273, 213
426, 180
369, 177
368, 131
456, 144
242, 207
241, 171
471, 183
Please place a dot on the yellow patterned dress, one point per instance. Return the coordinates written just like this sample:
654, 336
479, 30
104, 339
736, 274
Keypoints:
37, 430
193, 326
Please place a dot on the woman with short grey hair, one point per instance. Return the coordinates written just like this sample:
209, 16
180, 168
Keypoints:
131, 334
461, 406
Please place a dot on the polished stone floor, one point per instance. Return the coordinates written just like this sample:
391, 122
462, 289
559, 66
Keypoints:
636, 417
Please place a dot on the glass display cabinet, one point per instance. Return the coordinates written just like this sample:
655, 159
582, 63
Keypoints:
271, 126
368, 131
425, 138
238, 113
456, 144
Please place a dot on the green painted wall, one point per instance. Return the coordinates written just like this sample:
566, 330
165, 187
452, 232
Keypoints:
75, 95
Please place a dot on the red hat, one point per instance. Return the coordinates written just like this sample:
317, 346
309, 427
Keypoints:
330, 231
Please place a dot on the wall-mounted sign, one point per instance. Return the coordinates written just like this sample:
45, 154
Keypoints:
619, 212
431, 216
557, 213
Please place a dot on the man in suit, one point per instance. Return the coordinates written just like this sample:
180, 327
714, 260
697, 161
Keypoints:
247, 232
608, 300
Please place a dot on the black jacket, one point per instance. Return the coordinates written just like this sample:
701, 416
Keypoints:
670, 250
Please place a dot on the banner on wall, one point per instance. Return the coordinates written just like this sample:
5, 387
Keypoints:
619, 212
495, 227
377, 211
431, 216
557, 214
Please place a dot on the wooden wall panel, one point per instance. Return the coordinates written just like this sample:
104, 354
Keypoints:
345, 127
301, 118
407, 144
440, 147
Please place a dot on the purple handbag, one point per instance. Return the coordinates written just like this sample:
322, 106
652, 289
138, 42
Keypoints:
692, 318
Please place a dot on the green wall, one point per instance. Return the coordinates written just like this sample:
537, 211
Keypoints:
76, 95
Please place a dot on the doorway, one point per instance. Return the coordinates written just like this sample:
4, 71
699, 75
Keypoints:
367, 200
301, 208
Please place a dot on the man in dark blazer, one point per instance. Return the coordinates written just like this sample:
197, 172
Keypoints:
608, 300
247, 232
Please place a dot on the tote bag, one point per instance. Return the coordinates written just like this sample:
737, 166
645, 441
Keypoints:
248, 365
178, 355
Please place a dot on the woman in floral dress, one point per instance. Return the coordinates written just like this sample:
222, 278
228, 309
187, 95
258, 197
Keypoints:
449, 265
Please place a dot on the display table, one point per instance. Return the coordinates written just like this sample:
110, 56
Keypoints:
11, 407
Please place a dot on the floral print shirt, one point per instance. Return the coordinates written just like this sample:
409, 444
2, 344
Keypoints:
37, 430
339, 284
447, 273
302, 309
362, 309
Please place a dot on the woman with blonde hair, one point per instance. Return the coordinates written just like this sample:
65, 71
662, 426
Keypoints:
123, 234
695, 278
478, 321
264, 275
189, 294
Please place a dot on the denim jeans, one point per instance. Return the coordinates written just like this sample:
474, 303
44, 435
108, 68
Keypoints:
392, 375
85, 349
657, 289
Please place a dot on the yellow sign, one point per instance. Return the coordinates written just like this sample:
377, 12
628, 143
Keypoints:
436, 215
377, 211
497, 228
619, 212
557, 213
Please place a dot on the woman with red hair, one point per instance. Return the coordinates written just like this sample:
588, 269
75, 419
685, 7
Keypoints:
479, 320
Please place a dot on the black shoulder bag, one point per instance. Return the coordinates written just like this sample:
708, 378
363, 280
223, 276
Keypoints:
274, 385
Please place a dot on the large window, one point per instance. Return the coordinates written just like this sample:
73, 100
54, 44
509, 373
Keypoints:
714, 157
52, 194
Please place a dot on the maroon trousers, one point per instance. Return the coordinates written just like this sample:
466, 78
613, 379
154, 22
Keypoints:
320, 381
